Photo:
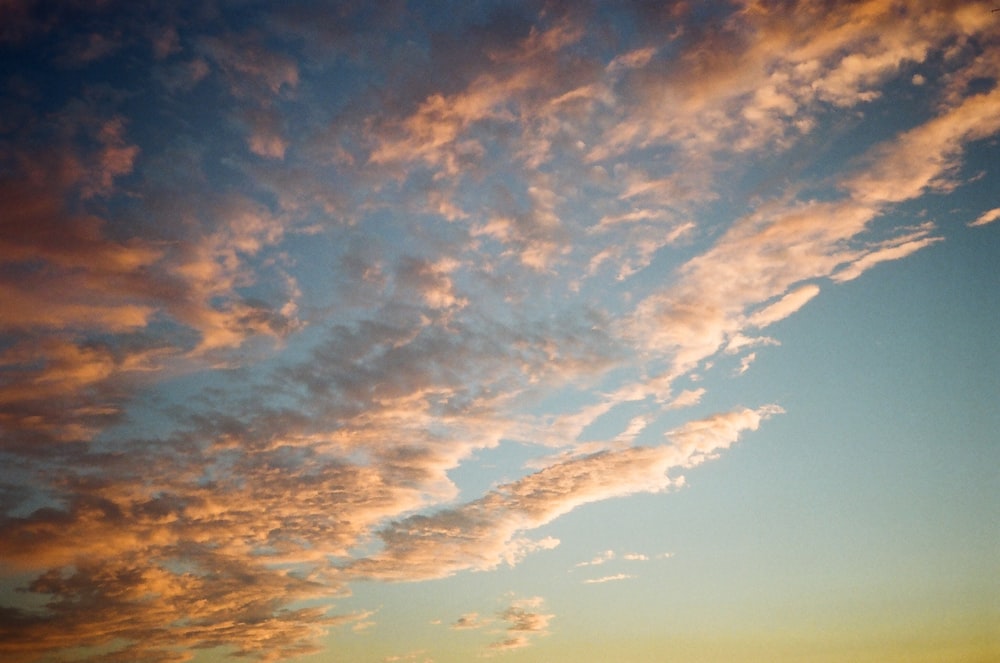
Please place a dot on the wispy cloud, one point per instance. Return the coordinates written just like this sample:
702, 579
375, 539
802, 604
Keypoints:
745, 362
612, 578
784, 307
986, 217
603, 557
525, 621
490, 531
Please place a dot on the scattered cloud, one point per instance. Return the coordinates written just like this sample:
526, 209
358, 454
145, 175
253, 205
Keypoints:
745, 362
687, 398
986, 217
524, 622
471, 620
633, 59
603, 557
613, 578
267, 282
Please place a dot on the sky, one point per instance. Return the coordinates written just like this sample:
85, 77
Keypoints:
530, 331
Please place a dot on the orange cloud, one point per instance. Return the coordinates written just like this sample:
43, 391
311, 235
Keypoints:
764, 76
487, 532
986, 217
249, 492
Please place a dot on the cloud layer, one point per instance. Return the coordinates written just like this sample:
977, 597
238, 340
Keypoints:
268, 277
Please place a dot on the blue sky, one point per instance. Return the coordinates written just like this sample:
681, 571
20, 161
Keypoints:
538, 331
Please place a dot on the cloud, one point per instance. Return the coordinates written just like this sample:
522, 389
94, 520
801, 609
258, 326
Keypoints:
613, 578
759, 258
927, 156
519, 89
471, 620
489, 531
58, 390
687, 398
97, 305
266, 134
700, 439
986, 217
165, 41
127, 599
250, 331
767, 74
180, 563
766, 255
894, 249
85, 49
534, 234
434, 133
115, 158
251, 500
784, 307
194, 517
524, 622
745, 363
633, 59
737, 342
605, 556
430, 281
251, 67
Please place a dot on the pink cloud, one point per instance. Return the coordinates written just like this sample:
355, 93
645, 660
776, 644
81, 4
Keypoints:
768, 81
895, 249
926, 157
784, 307
487, 532
986, 217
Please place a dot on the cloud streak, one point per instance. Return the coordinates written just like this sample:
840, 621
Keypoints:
490, 531
612, 578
